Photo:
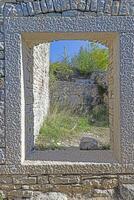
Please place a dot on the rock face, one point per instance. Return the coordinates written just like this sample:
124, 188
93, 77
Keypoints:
49, 196
81, 93
89, 143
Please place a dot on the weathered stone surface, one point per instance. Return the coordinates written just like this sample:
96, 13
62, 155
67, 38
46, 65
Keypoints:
94, 5
89, 143
108, 6
2, 155
25, 9
43, 179
19, 194
127, 191
65, 5
18, 179
50, 5
115, 8
82, 5
13, 10
30, 8
64, 179
43, 6
127, 179
37, 7
49, 196
124, 8
5, 180
2, 46
57, 5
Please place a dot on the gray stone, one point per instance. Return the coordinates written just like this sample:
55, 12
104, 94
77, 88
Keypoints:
82, 5
65, 5
115, 8
2, 155
50, 5
25, 9
88, 5
74, 4
127, 191
108, 6
50, 196
2, 46
30, 8
89, 143
13, 10
94, 6
124, 8
37, 7
57, 5
43, 6
101, 5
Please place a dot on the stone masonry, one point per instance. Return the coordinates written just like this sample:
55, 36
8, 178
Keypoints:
38, 22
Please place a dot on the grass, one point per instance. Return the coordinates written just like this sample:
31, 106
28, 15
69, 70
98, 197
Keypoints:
63, 125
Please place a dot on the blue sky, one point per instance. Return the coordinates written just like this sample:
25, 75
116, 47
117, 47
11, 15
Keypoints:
72, 47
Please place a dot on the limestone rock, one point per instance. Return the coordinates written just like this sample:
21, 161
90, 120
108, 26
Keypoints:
89, 143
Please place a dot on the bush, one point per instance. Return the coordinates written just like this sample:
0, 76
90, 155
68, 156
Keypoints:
89, 60
60, 70
99, 116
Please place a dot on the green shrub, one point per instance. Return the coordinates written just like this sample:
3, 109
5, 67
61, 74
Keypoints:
60, 70
99, 116
61, 125
89, 60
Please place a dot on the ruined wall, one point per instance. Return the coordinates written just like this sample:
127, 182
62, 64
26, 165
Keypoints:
90, 181
40, 84
80, 94
36, 89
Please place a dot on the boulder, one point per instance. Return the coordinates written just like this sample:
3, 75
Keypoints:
89, 143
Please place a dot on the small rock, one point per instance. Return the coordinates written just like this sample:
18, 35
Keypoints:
89, 143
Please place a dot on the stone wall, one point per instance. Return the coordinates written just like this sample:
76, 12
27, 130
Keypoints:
40, 84
80, 94
36, 87
20, 180
68, 7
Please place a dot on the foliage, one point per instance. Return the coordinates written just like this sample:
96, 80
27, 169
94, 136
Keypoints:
85, 62
61, 125
99, 116
89, 60
60, 70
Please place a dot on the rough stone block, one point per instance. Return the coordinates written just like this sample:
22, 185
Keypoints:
18, 179
24, 9
37, 7
108, 6
50, 5
82, 5
57, 5
124, 10
88, 5
43, 179
2, 46
115, 8
127, 179
65, 5
2, 141
13, 10
127, 191
2, 155
2, 55
94, 6
101, 5
5, 180
43, 6
19, 194
73, 4
30, 8
64, 179
1, 81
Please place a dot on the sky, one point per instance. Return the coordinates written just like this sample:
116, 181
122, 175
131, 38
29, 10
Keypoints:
72, 47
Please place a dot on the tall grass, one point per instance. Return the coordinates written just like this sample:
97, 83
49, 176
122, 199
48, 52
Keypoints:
61, 125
